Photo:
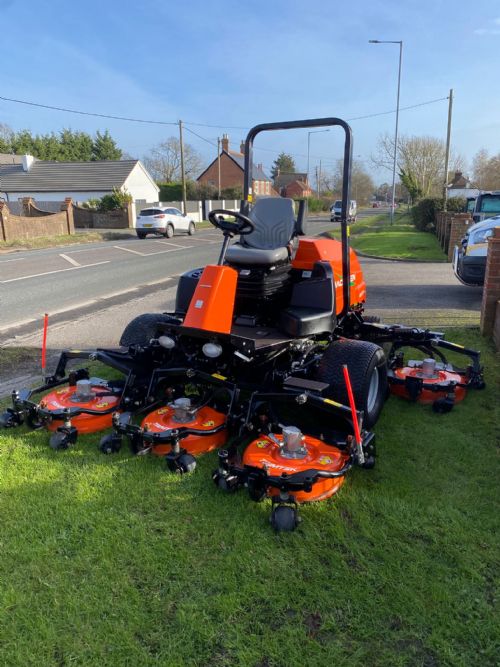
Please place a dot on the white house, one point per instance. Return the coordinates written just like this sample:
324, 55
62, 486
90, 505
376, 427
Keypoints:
53, 181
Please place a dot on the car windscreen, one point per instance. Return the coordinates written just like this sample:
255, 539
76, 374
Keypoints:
490, 204
150, 211
338, 203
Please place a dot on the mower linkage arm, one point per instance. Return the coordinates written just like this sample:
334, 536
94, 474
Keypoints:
122, 426
298, 481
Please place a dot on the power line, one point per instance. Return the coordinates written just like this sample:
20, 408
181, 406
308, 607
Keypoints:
200, 137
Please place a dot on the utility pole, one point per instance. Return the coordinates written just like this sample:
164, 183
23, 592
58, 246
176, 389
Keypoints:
218, 165
317, 183
183, 174
447, 154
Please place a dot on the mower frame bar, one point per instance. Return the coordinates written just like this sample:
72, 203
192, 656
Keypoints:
346, 183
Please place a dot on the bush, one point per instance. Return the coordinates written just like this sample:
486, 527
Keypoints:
114, 201
424, 213
456, 204
170, 191
316, 204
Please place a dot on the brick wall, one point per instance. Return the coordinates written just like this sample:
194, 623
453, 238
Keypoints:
28, 227
491, 290
85, 218
496, 327
458, 226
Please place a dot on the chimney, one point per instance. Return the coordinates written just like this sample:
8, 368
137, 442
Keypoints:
27, 162
242, 148
225, 143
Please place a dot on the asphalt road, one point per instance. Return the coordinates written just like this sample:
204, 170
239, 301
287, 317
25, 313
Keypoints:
72, 283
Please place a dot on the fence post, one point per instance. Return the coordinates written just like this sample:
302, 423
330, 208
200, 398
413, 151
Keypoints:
4, 216
67, 206
491, 290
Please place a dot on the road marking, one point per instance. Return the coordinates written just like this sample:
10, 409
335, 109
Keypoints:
135, 252
104, 247
16, 259
16, 324
202, 240
70, 260
46, 273
173, 244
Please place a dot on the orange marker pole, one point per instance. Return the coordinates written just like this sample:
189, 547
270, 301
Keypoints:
352, 404
44, 344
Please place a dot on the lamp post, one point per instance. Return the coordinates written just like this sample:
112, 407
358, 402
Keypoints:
309, 146
387, 41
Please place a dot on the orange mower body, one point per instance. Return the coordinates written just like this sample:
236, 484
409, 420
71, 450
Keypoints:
428, 396
85, 423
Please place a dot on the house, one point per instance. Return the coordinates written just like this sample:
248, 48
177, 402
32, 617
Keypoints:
232, 167
292, 184
54, 181
10, 158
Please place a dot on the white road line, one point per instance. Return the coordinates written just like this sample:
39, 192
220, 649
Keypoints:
70, 260
104, 247
46, 273
17, 324
173, 244
135, 252
16, 259
202, 240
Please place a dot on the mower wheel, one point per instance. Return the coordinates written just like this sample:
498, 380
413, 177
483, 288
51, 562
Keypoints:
143, 328
10, 418
284, 518
110, 444
169, 231
59, 440
368, 372
185, 463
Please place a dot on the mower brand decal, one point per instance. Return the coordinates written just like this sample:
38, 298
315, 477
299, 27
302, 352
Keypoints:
270, 464
104, 404
217, 376
162, 411
55, 404
352, 281
199, 303
325, 460
262, 444
60, 391
329, 400
160, 427
209, 424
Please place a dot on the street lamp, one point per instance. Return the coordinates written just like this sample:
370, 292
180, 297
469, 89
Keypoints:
383, 41
309, 145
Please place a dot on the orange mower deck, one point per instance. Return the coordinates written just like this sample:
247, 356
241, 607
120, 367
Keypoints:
428, 396
101, 400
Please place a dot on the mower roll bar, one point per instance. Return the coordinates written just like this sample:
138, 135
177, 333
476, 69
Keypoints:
346, 183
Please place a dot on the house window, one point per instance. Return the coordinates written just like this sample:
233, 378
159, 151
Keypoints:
256, 187
268, 189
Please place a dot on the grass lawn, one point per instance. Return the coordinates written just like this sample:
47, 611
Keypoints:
114, 561
375, 236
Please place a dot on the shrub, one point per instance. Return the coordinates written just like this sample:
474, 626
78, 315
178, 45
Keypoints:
424, 213
92, 204
114, 201
316, 204
456, 204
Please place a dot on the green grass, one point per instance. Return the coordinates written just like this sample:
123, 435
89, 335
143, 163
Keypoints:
375, 236
113, 561
63, 240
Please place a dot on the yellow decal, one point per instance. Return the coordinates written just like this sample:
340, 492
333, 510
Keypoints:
61, 391
104, 404
209, 424
217, 376
329, 400
460, 346
262, 444
325, 460
249, 197
162, 411
348, 230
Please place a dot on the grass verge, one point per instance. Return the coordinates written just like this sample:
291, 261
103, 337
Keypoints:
113, 561
375, 236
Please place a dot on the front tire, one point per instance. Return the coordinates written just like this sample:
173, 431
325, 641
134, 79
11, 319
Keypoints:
191, 229
368, 373
143, 328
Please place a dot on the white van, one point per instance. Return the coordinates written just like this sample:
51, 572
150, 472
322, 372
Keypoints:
336, 211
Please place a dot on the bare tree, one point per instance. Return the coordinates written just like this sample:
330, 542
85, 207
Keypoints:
486, 170
164, 161
362, 185
421, 159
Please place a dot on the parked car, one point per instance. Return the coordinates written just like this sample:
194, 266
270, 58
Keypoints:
336, 211
163, 221
469, 259
486, 205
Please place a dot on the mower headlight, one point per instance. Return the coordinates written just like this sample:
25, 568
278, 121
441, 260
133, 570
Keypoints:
212, 350
166, 342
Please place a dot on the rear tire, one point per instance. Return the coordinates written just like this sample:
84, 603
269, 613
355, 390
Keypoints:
141, 235
143, 328
191, 229
367, 370
169, 231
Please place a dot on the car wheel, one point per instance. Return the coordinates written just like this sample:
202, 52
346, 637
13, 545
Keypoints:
191, 228
169, 232
367, 370
141, 235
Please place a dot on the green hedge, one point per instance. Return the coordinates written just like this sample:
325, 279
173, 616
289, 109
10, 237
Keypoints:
424, 213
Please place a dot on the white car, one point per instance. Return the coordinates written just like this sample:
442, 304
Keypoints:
336, 211
163, 221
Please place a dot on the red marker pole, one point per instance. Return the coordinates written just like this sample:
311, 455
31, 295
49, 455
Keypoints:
44, 344
352, 404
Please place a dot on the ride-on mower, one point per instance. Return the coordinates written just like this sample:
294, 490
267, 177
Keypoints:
266, 356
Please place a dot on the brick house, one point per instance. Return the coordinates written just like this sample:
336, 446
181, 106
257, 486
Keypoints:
232, 167
293, 184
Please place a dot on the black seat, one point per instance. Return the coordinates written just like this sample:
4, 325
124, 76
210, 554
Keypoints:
268, 244
312, 306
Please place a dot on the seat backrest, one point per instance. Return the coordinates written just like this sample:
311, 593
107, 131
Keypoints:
274, 220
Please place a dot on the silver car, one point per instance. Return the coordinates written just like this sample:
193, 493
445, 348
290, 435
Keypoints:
163, 221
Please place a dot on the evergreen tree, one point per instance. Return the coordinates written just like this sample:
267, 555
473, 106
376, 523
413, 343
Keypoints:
105, 148
284, 164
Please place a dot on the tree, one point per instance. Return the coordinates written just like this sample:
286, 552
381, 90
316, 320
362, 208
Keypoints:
74, 146
284, 164
104, 147
486, 170
421, 159
6, 134
411, 184
362, 185
164, 161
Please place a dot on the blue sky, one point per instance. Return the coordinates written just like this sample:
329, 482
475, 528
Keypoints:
235, 64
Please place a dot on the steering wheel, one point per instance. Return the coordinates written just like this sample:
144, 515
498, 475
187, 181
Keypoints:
242, 225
